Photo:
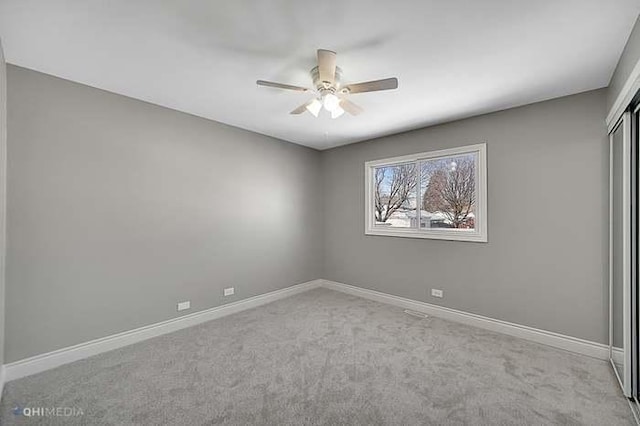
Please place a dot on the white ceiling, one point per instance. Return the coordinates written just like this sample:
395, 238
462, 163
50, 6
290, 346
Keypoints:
454, 58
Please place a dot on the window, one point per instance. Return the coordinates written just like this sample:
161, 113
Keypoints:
439, 194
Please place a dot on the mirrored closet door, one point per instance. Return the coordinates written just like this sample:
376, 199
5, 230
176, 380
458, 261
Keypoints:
621, 305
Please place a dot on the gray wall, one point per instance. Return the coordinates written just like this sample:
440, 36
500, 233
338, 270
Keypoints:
3, 186
628, 60
544, 265
118, 209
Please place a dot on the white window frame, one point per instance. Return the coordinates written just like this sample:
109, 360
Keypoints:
479, 234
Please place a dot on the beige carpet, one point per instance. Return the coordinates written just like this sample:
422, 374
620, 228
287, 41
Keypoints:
323, 357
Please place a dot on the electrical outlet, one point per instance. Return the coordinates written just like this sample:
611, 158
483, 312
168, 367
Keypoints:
229, 291
437, 293
184, 305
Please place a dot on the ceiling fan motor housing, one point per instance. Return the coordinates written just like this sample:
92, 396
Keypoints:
326, 86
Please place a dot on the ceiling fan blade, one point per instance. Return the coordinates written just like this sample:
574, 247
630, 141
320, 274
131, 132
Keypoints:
281, 86
350, 107
372, 86
327, 65
302, 108
313, 106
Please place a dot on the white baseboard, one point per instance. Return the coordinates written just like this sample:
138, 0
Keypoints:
549, 338
617, 355
47, 361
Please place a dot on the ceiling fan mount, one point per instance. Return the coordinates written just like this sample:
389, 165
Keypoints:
329, 91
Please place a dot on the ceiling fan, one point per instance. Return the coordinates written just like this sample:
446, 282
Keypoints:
329, 92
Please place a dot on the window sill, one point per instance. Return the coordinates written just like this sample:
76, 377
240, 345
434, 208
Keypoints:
475, 237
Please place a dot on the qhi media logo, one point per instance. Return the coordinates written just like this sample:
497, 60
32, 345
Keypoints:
48, 411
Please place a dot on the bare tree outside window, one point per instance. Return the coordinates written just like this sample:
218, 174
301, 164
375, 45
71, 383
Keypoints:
433, 196
450, 190
395, 193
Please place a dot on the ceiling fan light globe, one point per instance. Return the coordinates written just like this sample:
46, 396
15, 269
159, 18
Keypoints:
314, 107
337, 112
331, 102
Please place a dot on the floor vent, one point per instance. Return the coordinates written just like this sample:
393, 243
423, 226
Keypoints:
416, 313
